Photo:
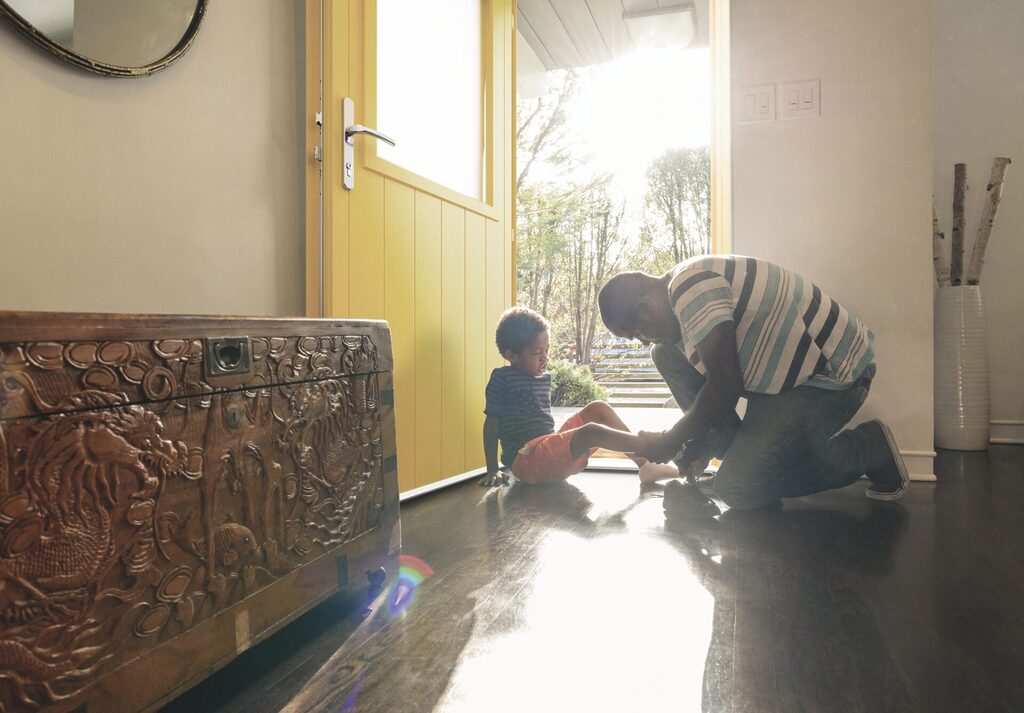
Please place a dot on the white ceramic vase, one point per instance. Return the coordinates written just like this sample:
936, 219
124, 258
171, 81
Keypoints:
962, 401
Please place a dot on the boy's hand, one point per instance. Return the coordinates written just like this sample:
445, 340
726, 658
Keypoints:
497, 478
657, 447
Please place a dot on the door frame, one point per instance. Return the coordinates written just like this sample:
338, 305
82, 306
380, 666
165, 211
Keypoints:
721, 127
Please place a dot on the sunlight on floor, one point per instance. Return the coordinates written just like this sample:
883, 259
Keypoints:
601, 615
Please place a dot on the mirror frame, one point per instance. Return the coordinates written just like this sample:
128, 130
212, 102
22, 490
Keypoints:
108, 70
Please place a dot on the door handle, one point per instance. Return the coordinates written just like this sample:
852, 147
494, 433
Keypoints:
348, 111
360, 129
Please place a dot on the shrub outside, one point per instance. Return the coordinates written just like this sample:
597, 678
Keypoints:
573, 385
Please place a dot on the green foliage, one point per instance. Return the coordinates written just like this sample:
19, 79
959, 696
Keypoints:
574, 229
679, 194
573, 385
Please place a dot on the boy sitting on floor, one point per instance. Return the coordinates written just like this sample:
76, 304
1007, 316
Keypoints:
519, 414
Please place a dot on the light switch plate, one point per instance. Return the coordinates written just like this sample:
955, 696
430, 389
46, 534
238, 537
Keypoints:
754, 104
798, 100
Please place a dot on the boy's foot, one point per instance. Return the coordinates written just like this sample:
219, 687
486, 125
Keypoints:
651, 472
889, 478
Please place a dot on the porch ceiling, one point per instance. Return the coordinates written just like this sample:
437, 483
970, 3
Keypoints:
575, 33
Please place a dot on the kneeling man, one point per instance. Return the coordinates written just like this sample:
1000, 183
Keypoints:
726, 326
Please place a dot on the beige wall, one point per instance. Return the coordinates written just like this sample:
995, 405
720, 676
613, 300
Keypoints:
845, 198
978, 60
176, 193
128, 32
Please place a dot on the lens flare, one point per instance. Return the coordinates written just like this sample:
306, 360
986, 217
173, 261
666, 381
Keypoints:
350, 702
411, 571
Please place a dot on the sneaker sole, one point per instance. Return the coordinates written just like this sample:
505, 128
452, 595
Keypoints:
900, 466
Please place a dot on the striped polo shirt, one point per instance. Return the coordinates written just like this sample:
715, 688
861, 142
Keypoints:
788, 332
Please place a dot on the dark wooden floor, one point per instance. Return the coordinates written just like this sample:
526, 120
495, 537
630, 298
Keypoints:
583, 597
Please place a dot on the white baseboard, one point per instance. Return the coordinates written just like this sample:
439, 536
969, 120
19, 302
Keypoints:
1007, 432
431, 487
921, 465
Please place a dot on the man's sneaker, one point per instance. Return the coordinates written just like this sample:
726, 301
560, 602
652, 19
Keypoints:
690, 469
889, 478
686, 499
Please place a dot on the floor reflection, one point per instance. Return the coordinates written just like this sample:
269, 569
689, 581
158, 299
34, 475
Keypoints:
793, 620
584, 596
593, 626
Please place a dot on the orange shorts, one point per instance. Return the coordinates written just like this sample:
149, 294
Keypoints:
549, 458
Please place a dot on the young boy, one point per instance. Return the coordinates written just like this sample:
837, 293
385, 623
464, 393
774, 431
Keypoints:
519, 412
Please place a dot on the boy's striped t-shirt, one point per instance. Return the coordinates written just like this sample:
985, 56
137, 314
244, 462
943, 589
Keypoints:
788, 332
522, 405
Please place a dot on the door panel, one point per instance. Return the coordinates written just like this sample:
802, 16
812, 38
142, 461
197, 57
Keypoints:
478, 333
366, 248
428, 344
453, 339
400, 309
435, 263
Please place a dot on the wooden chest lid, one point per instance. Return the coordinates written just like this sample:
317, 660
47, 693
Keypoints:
48, 360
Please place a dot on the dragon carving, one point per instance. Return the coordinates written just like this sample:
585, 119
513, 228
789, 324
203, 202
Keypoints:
58, 539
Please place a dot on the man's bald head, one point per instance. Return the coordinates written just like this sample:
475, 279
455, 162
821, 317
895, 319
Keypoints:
619, 297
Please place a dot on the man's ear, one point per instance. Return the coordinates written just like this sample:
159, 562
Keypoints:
507, 354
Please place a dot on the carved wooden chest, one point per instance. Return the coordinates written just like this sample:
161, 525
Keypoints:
175, 489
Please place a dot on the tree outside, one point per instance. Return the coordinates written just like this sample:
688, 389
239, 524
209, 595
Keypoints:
578, 225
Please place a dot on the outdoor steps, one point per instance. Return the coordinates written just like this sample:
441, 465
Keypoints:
638, 398
610, 380
627, 373
655, 392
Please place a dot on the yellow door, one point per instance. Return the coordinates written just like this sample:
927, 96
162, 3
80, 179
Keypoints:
409, 243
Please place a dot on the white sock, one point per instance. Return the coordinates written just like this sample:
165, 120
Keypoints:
650, 472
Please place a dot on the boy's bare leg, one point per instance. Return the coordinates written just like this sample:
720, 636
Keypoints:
602, 412
597, 435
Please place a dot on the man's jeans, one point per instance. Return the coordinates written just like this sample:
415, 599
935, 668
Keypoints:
787, 444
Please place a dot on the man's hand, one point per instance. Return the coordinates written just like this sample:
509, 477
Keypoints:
497, 478
657, 447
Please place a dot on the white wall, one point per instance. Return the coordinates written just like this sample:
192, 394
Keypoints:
176, 193
845, 198
978, 88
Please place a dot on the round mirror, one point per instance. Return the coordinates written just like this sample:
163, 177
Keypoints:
121, 38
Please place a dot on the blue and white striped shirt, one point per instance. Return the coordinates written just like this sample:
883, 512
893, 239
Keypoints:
788, 332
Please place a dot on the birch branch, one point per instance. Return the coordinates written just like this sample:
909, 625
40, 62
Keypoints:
956, 253
938, 253
988, 219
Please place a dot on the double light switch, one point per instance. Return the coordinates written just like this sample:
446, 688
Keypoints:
800, 99
796, 100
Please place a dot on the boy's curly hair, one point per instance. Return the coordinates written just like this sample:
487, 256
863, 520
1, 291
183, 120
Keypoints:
517, 327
